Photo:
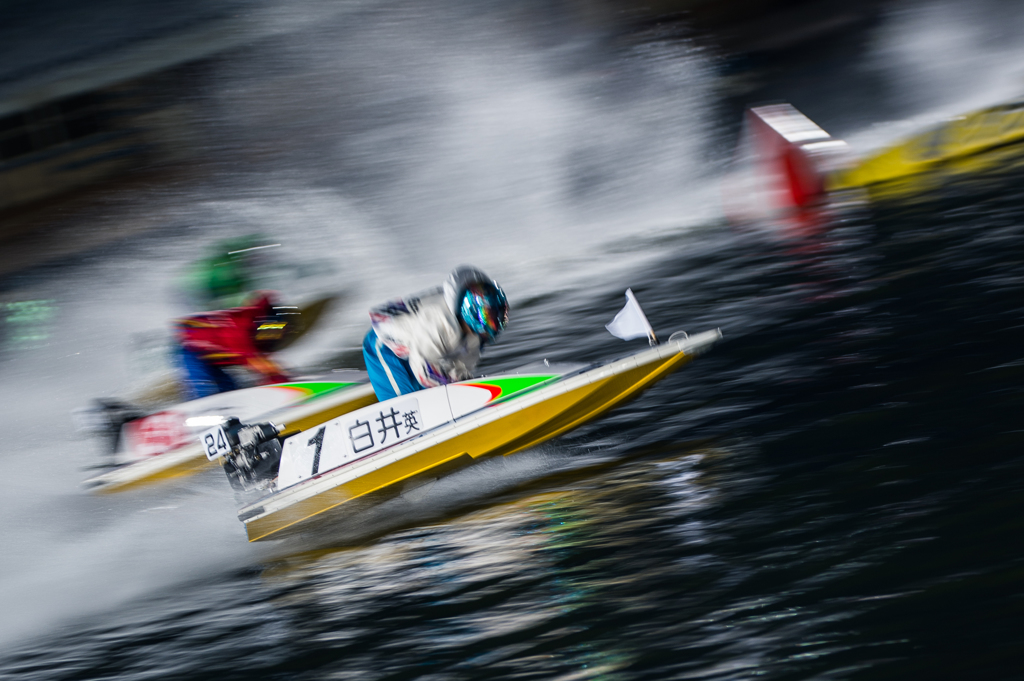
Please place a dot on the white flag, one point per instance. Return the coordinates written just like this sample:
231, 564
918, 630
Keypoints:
631, 322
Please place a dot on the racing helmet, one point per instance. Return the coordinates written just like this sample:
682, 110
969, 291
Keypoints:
484, 309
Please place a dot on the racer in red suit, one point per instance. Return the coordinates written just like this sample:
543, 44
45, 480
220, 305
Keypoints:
241, 336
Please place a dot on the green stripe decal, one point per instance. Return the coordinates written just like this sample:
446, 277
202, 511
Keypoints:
514, 385
317, 389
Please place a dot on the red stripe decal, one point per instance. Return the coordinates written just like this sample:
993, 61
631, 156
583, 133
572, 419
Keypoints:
493, 389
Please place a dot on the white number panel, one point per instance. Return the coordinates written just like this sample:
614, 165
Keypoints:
215, 443
361, 433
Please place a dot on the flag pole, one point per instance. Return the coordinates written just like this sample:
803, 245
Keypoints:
651, 337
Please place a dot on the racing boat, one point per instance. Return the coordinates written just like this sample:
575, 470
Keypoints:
787, 165
162, 445
396, 445
152, 435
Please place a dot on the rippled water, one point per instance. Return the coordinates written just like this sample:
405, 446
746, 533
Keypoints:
833, 492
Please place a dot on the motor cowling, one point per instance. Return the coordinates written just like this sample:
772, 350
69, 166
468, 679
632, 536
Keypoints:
782, 167
255, 454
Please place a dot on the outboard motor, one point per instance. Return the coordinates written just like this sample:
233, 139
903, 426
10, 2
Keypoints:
106, 418
254, 456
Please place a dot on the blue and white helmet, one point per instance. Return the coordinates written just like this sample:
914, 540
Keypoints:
477, 300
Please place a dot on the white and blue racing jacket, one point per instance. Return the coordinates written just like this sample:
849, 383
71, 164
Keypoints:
425, 331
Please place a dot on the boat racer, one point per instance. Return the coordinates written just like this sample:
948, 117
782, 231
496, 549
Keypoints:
436, 337
242, 336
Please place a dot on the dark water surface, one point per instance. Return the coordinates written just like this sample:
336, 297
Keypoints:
835, 491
